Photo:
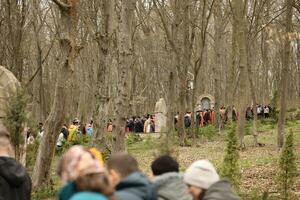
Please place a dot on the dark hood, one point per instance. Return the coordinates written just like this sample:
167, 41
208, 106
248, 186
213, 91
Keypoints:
13, 172
219, 191
137, 185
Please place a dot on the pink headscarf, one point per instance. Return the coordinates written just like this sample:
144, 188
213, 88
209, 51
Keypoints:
78, 162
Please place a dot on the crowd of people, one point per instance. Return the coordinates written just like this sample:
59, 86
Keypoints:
67, 133
144, 124
84, 175
263, 111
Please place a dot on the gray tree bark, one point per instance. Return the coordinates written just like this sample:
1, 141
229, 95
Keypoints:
62, 98
286, 56
125, 60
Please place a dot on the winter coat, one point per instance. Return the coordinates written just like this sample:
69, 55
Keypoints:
220, 190
88, 196
136, 186
15, 183
171, 187
67, 191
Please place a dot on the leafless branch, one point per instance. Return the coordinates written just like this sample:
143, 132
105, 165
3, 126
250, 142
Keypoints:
171, 42
61, 4
297, 6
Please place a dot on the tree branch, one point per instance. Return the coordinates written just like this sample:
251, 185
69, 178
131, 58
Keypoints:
168, 34
297, 7
61, 4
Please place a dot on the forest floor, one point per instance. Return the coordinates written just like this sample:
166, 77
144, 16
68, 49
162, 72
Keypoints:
258, 164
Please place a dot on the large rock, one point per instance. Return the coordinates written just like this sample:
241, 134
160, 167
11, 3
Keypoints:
8, 86
160, 115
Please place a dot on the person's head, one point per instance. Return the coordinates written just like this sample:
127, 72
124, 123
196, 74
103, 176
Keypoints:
78, 161
6, 148
199, 177
164, 164
86, 171
95, 182
121, 165
76, 122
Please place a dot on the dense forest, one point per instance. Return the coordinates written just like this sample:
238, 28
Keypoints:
113, 59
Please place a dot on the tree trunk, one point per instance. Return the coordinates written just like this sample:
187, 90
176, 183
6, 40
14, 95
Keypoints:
218, 28
62, 97
285, 71
240, 18
101, 105
125, 61
253, 95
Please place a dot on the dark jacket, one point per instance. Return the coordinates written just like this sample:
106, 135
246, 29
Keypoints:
171, 187
136, 186
220, 190
15, 183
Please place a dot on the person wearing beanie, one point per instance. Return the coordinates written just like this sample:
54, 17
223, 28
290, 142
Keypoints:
204, 183
168, 180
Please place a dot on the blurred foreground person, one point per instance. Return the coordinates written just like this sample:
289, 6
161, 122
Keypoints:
15, 183
129, 182
83, 176
168, 179
204, 183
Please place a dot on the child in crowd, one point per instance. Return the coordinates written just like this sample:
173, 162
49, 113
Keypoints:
168, 179
129, 182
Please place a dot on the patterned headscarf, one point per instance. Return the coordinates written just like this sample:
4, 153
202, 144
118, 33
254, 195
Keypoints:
78, 162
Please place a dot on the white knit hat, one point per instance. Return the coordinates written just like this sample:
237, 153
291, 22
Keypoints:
201, 174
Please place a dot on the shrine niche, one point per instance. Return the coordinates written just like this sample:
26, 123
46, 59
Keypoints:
8, 87
205, 102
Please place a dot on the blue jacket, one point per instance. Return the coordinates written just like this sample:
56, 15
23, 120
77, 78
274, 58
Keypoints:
136, 186
88, 196
67, 191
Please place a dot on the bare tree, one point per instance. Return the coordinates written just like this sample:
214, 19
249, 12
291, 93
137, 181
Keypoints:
285, 71
239, 13
62, 97
125, 61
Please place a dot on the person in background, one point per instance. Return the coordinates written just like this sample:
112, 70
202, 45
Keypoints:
73, 130
109, 126
60, 141
187, 120
129, 182
147, 124
168, 179
204, 183
40, 131
89, 128
30, 139
65, 131
15, 183
266, 112
234, 114
152, 124
212, 116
